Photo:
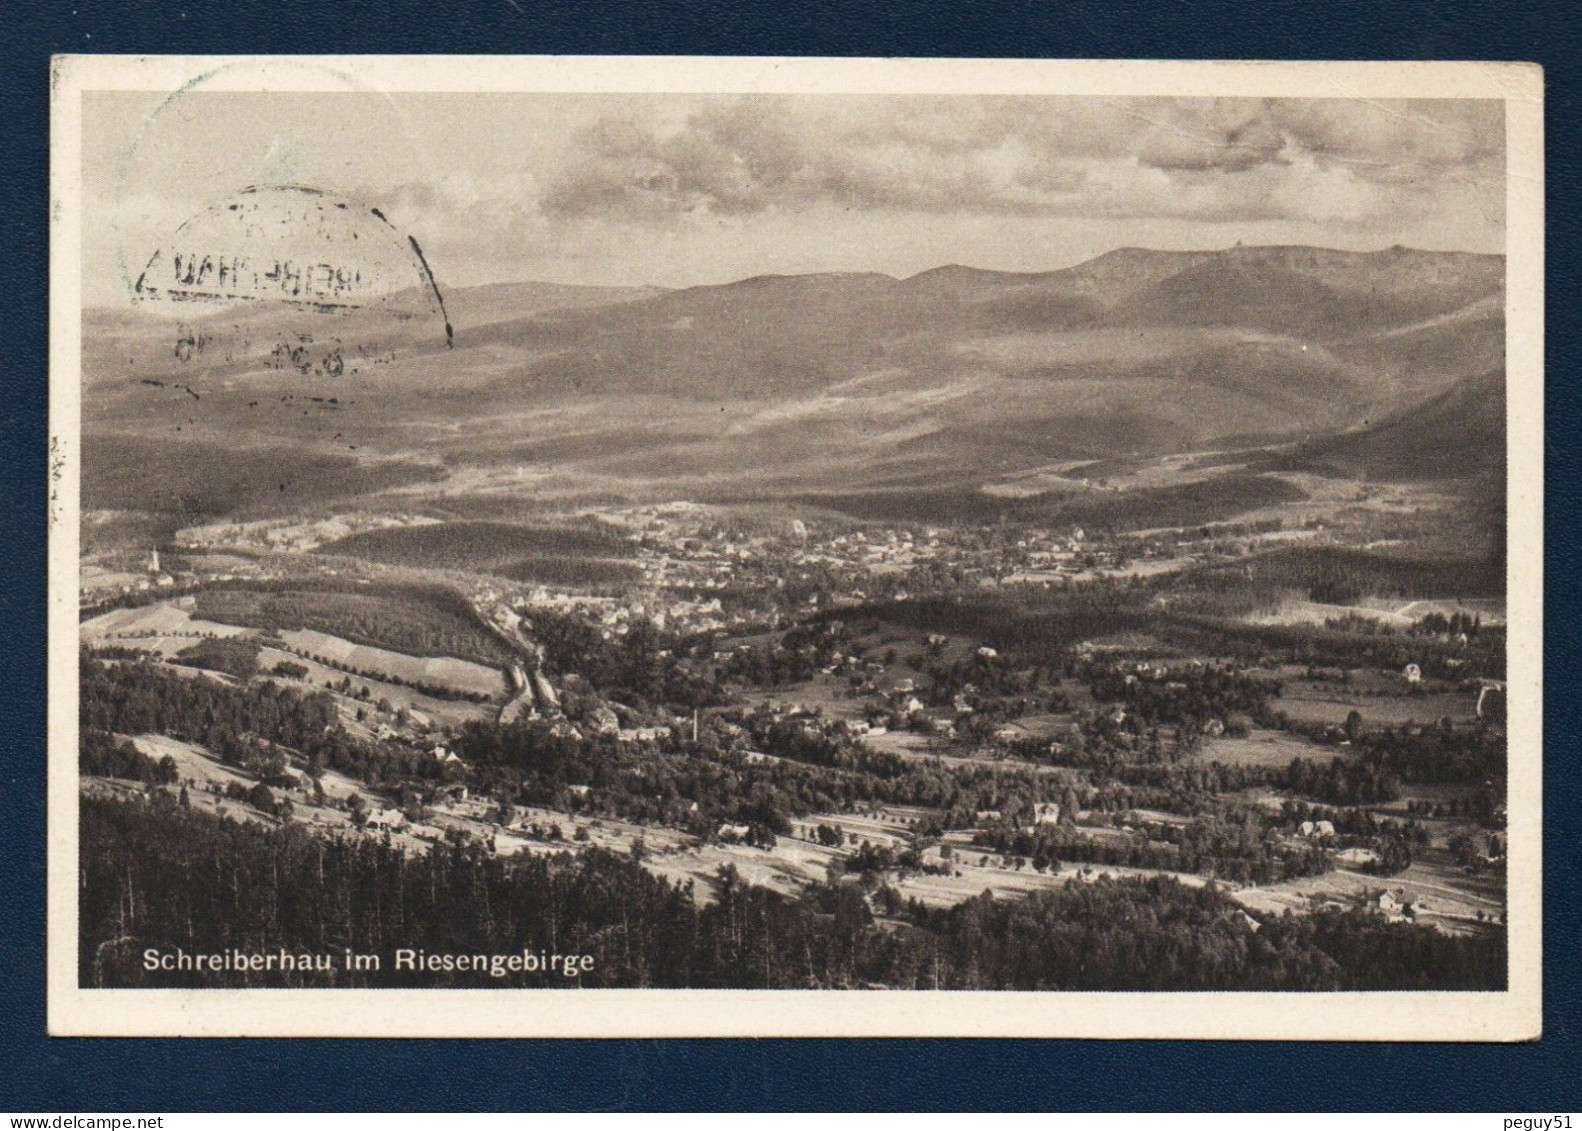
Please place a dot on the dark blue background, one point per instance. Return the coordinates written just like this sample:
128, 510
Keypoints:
40, 1074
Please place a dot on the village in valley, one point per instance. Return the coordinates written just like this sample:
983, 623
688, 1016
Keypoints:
923, 711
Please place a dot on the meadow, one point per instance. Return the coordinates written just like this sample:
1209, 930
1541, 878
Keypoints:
416, 620
418, 671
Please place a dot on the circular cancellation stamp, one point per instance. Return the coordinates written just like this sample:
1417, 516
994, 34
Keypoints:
288, 278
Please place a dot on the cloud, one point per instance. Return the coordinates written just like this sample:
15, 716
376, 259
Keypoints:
750, 156
1393, 141
1230, 135
686, 188
1181, 158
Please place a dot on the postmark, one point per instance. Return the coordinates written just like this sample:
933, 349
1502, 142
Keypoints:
290, 277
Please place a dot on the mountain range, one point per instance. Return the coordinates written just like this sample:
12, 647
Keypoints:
1370, 362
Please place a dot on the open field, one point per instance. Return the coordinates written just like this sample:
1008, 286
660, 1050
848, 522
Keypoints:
1449, 898
822, 693
884, 828
416, 620
192, 762
973, 879
291, 534
787, 868
157, 620
1490, 609
968, 881
168, 630
1269, 748
98, 582
794, 863
446, 712
438, 671
207, 778
219, 563
1293, 611
905, 743
1327, 704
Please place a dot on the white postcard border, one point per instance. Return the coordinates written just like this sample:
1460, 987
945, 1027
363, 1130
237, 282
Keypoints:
1511, 1015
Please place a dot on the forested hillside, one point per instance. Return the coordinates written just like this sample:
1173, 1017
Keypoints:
155, 875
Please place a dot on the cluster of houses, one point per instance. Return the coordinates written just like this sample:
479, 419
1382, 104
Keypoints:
1397, 904
289, 535
99, 583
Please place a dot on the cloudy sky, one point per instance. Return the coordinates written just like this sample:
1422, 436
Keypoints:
680, 190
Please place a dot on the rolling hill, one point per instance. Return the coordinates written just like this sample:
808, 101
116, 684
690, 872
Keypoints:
1457, 434
835, 382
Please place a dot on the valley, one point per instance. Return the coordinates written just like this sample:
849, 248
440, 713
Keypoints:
1170, 577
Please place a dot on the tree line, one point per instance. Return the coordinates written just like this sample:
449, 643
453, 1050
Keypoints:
156, 875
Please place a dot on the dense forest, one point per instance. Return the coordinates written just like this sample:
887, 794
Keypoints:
1175, 505
637, 668
799, 771
192, 482
232, 656
157, 875
1237, 851
589, 575
1199, 612
534, 761
132, 697
480, 546
101, 754
1339, 575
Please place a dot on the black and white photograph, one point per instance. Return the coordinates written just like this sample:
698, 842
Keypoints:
864, 548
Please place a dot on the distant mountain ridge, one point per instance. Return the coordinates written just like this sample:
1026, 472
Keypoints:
476, 306
955, 373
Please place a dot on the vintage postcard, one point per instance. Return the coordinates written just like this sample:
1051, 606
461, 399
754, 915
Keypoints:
794, 547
